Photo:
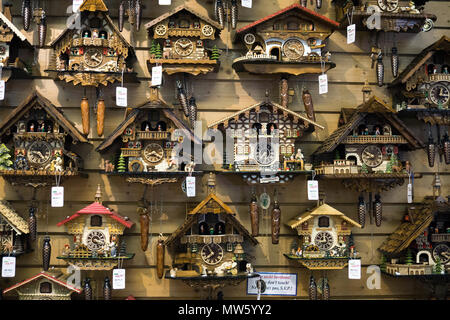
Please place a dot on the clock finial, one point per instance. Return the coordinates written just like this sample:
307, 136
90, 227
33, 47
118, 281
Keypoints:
98, 194
211, 183
366, 90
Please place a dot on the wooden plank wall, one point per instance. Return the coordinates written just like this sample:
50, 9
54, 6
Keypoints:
217, 95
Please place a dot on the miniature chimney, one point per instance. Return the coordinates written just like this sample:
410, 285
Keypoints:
367, 91
98, 194
211, 183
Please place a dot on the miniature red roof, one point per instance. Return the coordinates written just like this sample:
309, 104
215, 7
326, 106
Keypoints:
307, 11
97, 208
45, 275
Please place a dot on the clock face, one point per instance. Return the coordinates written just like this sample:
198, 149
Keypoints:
153, 153
323, 240
265, 155
93, 57
372, 156
184, 47
439, 94
39, 153
443, 252
212, 253
95, 240
293, 49
388, 5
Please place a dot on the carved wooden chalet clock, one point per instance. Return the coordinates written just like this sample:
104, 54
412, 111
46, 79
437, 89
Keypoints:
147, 140
290, 41
44, 286
265, 136
96, 230
42, 140
13, 231
179, 42
12, 43
93, 53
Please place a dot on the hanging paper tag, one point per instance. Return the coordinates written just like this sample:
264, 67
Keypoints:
118, 279
76, 5
190, 186
247, 3
2, 89
121, 96
313, 190
164, 2
354, 269
323, 84
8, 267
410, 193
57, 197
351, 33
156, 76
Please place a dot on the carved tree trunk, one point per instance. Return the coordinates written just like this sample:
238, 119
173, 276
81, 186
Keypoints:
254, 218
276, 217
160, 248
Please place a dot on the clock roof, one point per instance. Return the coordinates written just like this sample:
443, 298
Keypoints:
180, 8
47, 275
36, 100
155, 102
211, 204
321, 210
272, 105
443, 44
408, 231
98, 209
5, 19
11, 216
292, 8
93, 5
373, 106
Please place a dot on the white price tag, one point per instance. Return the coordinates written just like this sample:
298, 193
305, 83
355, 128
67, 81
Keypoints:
190, 186
121, 96
323, 84
8, 267
354, 269
2, 89
247, 3
156, 76
164, 2
57, 197
76, 5
313, 190
410, 193
351, 33
118, 279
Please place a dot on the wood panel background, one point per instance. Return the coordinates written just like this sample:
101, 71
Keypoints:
217, 95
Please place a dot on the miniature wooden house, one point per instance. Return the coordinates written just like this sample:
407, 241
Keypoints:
13, 231
149, 136
264, 137
372, 137
426, 234
44, 286
96, 231
179, 39
12, 42
94, 52
425, 82
290, 41
210, 240
392, 15
324, 238
42, 138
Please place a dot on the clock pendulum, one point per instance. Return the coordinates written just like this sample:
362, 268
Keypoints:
380, 70
312, 289
254, 218
362, 211
431, 147
46, 253
107, 290
26, 14
87, 289
182, 98
394, 62
378, 210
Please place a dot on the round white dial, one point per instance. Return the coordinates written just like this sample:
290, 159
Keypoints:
293, 49
388, 5
324, 240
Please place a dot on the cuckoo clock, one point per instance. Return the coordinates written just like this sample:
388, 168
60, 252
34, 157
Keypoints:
42, 139
325, 238
290, 41
209, 243
44, 286
96, 232
147, 140
12, 44
264, 138
179, 42
94, 53
13, 231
